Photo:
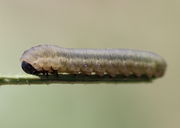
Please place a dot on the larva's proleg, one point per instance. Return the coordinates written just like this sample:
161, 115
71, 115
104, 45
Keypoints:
126, 62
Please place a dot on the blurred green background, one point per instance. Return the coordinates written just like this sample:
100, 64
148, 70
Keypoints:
152, 25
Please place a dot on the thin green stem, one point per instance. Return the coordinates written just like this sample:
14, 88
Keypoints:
68, 79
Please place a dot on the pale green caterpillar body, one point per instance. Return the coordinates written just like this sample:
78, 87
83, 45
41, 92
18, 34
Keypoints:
54, 59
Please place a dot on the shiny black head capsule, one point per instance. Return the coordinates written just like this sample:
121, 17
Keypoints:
28, 68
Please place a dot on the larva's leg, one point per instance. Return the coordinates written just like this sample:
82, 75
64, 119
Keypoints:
86, 69
113, 74
149, 72
136, 72
126, 73
86, 72
54, 72
99, 70
45, 73
100, 73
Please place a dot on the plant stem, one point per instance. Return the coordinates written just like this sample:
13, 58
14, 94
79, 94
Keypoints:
68, 79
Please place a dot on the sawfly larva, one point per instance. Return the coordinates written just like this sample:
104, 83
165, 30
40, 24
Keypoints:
52, 59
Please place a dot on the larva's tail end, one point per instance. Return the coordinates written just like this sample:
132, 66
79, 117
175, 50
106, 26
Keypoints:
28, 68
161, 69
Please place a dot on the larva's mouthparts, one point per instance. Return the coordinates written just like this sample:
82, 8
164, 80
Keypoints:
28, 68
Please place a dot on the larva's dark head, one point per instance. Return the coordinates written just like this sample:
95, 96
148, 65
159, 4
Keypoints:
28, 68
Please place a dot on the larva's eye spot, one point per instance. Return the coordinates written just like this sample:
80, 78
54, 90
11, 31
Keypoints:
28, 68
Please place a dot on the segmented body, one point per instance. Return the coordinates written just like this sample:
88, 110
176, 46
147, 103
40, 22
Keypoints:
50, 58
